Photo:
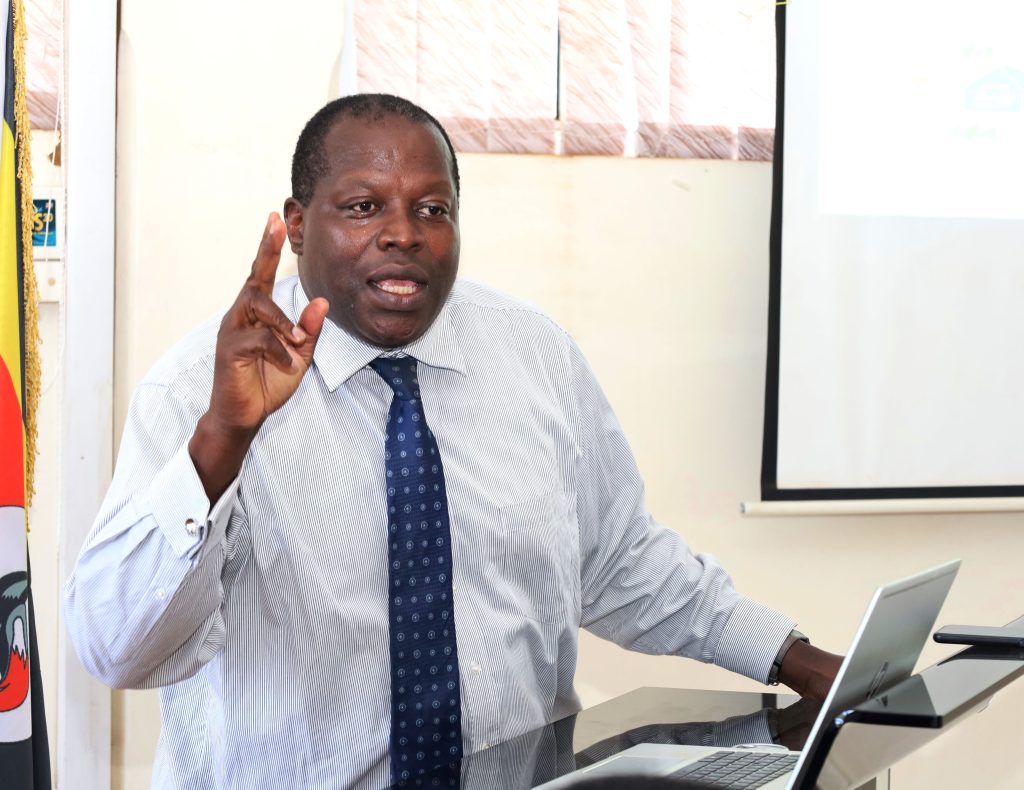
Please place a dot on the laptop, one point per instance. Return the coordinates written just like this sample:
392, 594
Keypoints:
884, 650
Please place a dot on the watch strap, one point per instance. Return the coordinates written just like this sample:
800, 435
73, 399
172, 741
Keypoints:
794, 637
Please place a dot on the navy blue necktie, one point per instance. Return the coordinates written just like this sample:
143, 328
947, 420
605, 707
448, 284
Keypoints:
426, 715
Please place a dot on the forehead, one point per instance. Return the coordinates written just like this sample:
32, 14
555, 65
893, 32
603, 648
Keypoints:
388, 146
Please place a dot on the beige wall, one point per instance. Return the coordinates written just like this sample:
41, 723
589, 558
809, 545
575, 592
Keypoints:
659, 268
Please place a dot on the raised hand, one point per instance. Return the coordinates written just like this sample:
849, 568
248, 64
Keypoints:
261, 358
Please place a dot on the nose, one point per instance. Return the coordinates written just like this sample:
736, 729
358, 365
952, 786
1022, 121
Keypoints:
399, 230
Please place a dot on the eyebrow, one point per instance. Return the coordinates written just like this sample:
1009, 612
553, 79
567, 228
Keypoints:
348, 183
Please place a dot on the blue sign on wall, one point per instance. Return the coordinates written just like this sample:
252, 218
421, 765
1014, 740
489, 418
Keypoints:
44, 223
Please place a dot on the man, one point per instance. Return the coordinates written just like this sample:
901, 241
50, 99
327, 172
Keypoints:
354, 531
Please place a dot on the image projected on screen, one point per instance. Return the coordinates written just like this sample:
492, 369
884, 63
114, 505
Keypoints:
937, 97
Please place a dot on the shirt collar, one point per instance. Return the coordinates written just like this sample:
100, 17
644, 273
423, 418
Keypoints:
338, 355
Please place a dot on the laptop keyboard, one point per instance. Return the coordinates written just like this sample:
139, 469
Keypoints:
739, 770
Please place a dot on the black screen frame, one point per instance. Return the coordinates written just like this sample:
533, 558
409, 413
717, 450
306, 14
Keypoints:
770, 490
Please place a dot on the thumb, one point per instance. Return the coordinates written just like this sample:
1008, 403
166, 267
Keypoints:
311, 322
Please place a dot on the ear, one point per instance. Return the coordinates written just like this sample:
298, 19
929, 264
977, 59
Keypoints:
293, 211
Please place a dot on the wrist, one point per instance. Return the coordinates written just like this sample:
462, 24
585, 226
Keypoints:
794, 637
222, 435
217, 451
808, 670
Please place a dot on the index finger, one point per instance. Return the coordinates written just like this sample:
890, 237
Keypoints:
268, 256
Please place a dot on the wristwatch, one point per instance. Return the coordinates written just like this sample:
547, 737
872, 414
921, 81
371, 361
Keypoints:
794, 636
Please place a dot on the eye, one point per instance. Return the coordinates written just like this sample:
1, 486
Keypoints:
361, 207
433, 210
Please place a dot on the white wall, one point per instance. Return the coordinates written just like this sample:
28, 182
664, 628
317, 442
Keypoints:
658, 267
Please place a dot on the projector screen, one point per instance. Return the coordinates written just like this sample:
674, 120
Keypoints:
895, 352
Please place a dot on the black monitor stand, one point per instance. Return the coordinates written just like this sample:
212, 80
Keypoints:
876, 734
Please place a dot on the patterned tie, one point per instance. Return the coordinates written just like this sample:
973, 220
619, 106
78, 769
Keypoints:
426, 727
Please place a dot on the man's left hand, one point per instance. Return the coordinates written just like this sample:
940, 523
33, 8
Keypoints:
809, 671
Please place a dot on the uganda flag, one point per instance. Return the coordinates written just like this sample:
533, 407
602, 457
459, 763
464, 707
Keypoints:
24, 754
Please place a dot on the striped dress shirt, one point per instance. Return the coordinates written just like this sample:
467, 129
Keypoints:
263, 617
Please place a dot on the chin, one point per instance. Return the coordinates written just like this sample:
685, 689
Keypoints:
394, 337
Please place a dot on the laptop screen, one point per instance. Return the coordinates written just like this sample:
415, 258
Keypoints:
883, 653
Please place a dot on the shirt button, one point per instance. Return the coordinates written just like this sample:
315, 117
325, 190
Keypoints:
190, 526
484, 745
475, 668
160, 593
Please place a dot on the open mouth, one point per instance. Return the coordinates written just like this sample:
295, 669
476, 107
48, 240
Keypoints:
400, 294
398, 287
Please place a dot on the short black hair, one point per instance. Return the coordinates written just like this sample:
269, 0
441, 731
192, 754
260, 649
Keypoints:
309, 164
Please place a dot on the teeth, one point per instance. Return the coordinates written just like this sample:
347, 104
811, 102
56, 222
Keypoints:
394, 288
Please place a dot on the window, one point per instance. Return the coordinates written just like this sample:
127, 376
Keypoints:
671, 78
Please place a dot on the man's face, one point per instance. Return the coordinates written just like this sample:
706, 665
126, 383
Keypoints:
380, 237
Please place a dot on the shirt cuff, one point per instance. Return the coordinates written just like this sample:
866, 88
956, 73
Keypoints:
751, 639
753, 728
181, 508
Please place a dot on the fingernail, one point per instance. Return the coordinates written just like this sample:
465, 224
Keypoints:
299, 334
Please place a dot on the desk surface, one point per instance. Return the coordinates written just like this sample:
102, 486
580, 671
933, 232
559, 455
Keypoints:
645, 715
941, 695
713, 718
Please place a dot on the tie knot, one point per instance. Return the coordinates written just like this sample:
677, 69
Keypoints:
400, 374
